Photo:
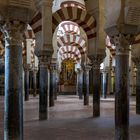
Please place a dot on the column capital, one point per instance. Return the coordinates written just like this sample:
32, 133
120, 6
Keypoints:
87, 68
122, 43
13, 32
53, 66
79, 70
96, 60
35, 69
104, 70
45, 58
136, 60
26, 67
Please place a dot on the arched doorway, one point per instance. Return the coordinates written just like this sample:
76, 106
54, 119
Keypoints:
68, 77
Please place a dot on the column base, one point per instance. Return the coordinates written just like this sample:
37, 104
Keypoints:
96, 110
122, 133
80, 97
104, 96
26, 99
51, 103
86, 100
138, 109
34, 94
43, 116
55, 96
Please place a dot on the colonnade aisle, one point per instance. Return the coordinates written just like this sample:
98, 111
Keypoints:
69, 119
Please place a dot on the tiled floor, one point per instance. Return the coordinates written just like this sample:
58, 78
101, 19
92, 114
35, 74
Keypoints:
70, 120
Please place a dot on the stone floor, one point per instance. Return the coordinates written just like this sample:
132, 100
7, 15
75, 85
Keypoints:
70, 120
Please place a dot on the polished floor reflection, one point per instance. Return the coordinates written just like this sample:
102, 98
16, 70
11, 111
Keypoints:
70, 120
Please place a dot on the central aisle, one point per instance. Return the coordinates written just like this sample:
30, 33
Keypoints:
70, 120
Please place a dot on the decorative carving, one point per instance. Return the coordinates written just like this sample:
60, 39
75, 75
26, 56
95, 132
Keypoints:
13, 32
26, 67
122, 43
87, 68
96, 60
53, 67
136, 60
45, 58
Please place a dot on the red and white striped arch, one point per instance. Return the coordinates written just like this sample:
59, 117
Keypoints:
72, 39
137, 40
29, 34
36, 23
110, 46
24, 53
81, 17
70, 27
2, 50
70, 49
72, 4
67, 52
70, 56
32, 51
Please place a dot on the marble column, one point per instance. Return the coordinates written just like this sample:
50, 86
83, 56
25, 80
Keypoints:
30, 82
112, 80
86, 84
90, 81
45, 54
52, 92
34, 82
56, 84
133, 79
137, 63
26, 82
109, 79
96, 61
80, 83
122, 43
104, 82
44, 61
13, 107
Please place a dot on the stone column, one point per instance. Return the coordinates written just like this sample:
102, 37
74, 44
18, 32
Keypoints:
134, 80
44, 61
104, 82
52, 92
13, 107
45, 55
90, 81
31, 81
77, 83
112, 80
122, 43
109, 80
80, 83
137, 63
34, 82
26, 81
86, 84
57, 84
96, 61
